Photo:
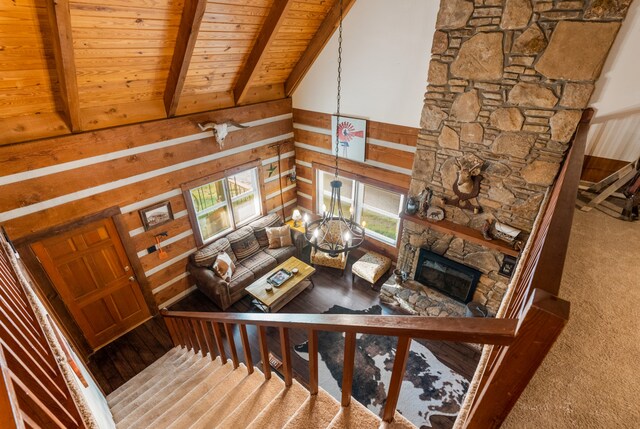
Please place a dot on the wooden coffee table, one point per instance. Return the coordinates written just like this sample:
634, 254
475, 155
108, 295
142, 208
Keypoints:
280, 296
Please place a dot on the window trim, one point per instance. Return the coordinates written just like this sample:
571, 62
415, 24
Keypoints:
210, 178
358, 198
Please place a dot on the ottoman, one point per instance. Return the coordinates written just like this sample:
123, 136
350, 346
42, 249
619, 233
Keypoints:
370, 267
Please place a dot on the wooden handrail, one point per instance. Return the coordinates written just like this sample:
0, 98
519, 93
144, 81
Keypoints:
460, 329
541, 270
553, 254
186, 330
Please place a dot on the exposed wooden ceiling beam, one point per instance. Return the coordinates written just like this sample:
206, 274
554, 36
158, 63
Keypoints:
322, 36
192, 14
266, 37
62, 41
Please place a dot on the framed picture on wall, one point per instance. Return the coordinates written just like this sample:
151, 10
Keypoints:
351, 133
156, 215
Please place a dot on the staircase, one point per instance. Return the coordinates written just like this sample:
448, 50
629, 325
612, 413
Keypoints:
183, 389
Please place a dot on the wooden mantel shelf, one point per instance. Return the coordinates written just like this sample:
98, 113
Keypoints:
464, 232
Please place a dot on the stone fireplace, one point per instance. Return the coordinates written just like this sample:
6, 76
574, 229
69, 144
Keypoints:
508, 81
449, 277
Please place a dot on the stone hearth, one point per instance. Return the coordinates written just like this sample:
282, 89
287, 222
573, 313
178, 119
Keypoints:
416, 298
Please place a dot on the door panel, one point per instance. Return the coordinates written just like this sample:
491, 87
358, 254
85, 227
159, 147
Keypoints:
125, 303
90, 270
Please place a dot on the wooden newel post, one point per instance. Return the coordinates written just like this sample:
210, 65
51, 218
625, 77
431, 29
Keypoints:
542, 321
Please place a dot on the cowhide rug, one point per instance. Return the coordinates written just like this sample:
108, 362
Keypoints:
429, 388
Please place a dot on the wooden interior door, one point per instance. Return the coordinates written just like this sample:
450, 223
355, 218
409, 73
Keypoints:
90, 270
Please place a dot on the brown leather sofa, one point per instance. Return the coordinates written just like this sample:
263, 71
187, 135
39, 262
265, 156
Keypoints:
248, 248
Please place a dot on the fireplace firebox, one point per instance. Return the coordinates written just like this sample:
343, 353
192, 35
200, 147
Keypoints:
449, 277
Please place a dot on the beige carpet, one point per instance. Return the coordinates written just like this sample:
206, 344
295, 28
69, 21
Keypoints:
591, 378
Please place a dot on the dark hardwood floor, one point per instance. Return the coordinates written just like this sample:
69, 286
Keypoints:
116, 363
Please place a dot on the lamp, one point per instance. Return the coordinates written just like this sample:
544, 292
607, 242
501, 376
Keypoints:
334, 233
296, 216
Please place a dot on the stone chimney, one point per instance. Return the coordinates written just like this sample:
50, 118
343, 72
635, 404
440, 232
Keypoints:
508, 81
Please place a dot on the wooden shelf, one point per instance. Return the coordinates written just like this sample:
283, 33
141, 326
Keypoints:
464, 232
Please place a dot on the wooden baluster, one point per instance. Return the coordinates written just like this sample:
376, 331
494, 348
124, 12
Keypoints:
182, 333
198, 337
397, 375
178, 331
219, 343
172, 332
187, 334
285, 346
228, 329
246, 347
347, 374
264, 352
313, 361
207, 337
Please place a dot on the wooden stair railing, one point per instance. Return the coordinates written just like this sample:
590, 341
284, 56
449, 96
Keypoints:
33, 391
502, 384
200, 331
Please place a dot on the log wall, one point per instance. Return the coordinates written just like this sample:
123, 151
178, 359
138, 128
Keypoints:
59, 181
389, 154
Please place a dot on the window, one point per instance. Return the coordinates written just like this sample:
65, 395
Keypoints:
379, 208
222, 204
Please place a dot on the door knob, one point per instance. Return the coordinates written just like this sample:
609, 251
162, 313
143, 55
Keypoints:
127, 268
132, 279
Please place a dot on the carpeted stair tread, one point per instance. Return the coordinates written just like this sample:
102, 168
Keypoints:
399, 422
176, 366
144, 416
228, 402
251, 406
214, 392
165, 381
355, 416
154, 375
281, 409
141, 377
203, 396
316, 412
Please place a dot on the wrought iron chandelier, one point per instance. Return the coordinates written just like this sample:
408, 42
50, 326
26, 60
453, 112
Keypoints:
334, 233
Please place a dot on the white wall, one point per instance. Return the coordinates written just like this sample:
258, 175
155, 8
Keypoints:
386, 52
615, 132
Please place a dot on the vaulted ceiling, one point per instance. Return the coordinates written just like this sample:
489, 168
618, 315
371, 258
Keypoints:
78, 65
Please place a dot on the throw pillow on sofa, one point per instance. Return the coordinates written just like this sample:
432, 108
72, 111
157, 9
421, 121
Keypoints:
206, 256
279, 237
243, 242
224, 267
259, 227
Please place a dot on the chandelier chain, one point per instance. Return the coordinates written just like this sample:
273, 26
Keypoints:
339, 87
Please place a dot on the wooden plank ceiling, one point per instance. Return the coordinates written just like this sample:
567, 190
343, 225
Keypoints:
79, 65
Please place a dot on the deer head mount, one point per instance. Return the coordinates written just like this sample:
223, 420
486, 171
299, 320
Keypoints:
467, 184
221, 130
